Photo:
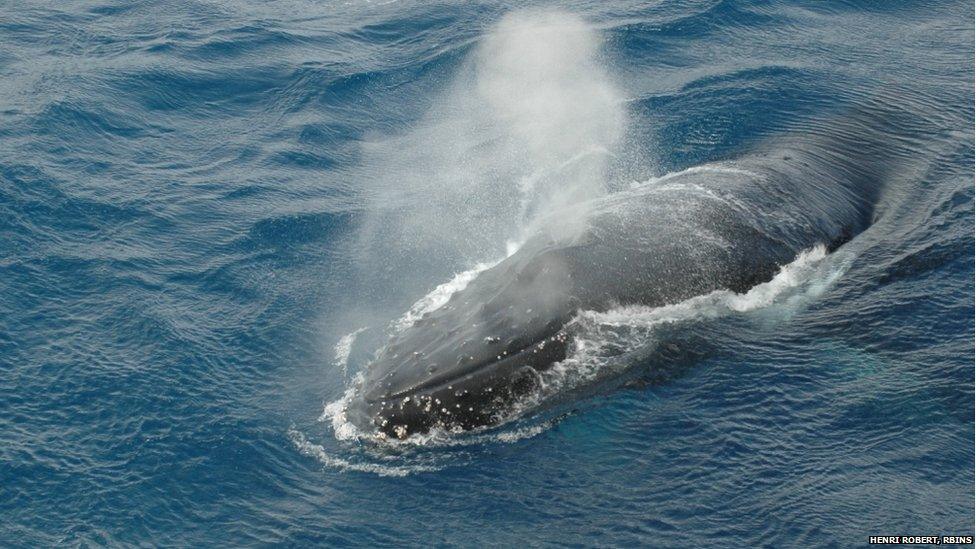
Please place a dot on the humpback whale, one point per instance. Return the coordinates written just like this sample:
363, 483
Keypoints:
727, 225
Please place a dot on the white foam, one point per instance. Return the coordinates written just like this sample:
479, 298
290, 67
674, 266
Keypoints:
796, 273
343, 349
708, 168
441, 438
439, 296
308, 448
335, 412
599, 339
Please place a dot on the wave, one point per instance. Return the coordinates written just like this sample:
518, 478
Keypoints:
309, 448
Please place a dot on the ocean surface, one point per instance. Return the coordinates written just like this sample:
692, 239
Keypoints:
214, 213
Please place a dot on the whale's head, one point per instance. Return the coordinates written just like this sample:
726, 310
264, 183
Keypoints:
478, 392
462, 365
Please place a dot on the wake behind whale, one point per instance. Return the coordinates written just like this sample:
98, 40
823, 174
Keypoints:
698, 238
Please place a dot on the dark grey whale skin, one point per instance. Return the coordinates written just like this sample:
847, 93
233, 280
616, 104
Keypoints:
728, 225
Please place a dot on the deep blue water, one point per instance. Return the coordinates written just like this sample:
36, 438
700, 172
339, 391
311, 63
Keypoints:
198, 200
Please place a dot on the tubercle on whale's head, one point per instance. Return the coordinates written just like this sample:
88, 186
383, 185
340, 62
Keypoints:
481, 398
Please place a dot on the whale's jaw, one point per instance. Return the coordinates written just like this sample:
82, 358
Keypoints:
483, 396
